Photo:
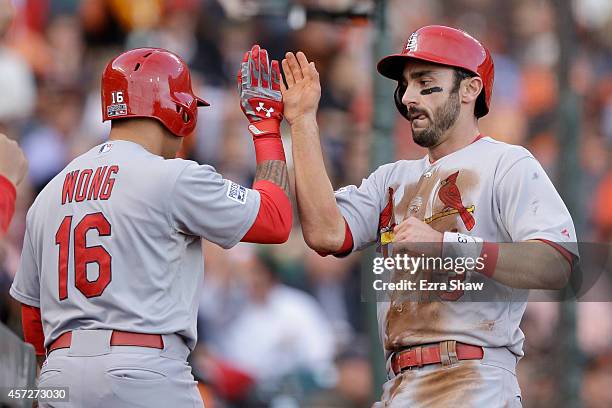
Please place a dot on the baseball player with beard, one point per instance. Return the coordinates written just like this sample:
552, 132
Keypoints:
470, 197
112, 264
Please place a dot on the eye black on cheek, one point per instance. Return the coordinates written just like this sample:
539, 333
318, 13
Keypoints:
431, 90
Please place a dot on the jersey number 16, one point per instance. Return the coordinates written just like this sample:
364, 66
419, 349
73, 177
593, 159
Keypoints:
83, 255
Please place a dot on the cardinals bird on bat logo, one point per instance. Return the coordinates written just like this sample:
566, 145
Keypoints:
451, 197
386, 223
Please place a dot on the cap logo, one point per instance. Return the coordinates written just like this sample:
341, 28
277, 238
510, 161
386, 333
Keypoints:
411, 45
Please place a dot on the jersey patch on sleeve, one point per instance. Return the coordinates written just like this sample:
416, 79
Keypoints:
237, 192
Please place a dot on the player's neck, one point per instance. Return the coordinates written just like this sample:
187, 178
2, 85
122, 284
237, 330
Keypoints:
148, 137
461, 134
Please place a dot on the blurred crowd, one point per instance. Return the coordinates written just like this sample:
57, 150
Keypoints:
281, 326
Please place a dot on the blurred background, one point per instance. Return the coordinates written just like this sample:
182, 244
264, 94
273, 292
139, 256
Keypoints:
281, 326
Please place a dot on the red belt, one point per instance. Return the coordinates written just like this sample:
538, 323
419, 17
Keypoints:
118, 338
423, 355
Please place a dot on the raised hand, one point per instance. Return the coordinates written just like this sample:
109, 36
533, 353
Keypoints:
13, 164
303, 91
260, 92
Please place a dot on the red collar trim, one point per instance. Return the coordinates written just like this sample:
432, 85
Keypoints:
480, 136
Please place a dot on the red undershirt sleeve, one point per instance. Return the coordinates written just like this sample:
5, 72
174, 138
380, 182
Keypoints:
347, 245
32, 328
566, 254
275, 216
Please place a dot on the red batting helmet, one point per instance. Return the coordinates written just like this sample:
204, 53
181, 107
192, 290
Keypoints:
150, 83
446, 46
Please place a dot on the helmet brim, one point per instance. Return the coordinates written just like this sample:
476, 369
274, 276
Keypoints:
392, 66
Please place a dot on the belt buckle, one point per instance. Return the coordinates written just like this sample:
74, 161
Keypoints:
448, 353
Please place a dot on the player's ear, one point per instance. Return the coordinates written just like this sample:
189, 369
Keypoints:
470, 89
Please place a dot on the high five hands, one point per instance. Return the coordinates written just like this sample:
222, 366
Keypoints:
264, 97
303, 91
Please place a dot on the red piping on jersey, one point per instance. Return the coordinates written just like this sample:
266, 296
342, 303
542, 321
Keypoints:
32, 328
7, 203
347, 245
566, 254
480, 136
275, 216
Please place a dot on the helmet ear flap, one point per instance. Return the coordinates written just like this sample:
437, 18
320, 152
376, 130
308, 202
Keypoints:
183, 112
481, 108
397, 96
186, 113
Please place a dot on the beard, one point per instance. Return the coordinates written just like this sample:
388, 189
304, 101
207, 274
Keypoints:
444, 117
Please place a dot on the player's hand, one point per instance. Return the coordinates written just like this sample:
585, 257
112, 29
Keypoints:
13, 164
260, 92
416, 237
303, 91
7, 15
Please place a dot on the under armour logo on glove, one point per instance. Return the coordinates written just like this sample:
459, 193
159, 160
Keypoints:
261, 107
260, 96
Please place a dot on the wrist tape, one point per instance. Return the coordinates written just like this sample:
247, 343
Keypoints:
457, 245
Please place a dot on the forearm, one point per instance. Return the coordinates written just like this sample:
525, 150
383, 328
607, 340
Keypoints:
274, 171
531, 265
275, 216
322, 223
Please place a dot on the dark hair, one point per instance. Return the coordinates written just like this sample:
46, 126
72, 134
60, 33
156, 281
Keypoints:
460, 75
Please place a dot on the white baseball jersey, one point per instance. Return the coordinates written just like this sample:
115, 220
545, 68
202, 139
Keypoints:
113, 241
492, 190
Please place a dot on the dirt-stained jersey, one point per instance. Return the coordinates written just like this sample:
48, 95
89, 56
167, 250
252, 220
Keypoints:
488, 189
113, 241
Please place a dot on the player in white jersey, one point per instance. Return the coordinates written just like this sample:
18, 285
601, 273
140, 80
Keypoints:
112, 259
471, 197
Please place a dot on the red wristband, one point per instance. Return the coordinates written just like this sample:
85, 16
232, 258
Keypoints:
10, 187
265, 127
269, 148
490, 253
7, 203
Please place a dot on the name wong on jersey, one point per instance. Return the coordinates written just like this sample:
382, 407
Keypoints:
87, 184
